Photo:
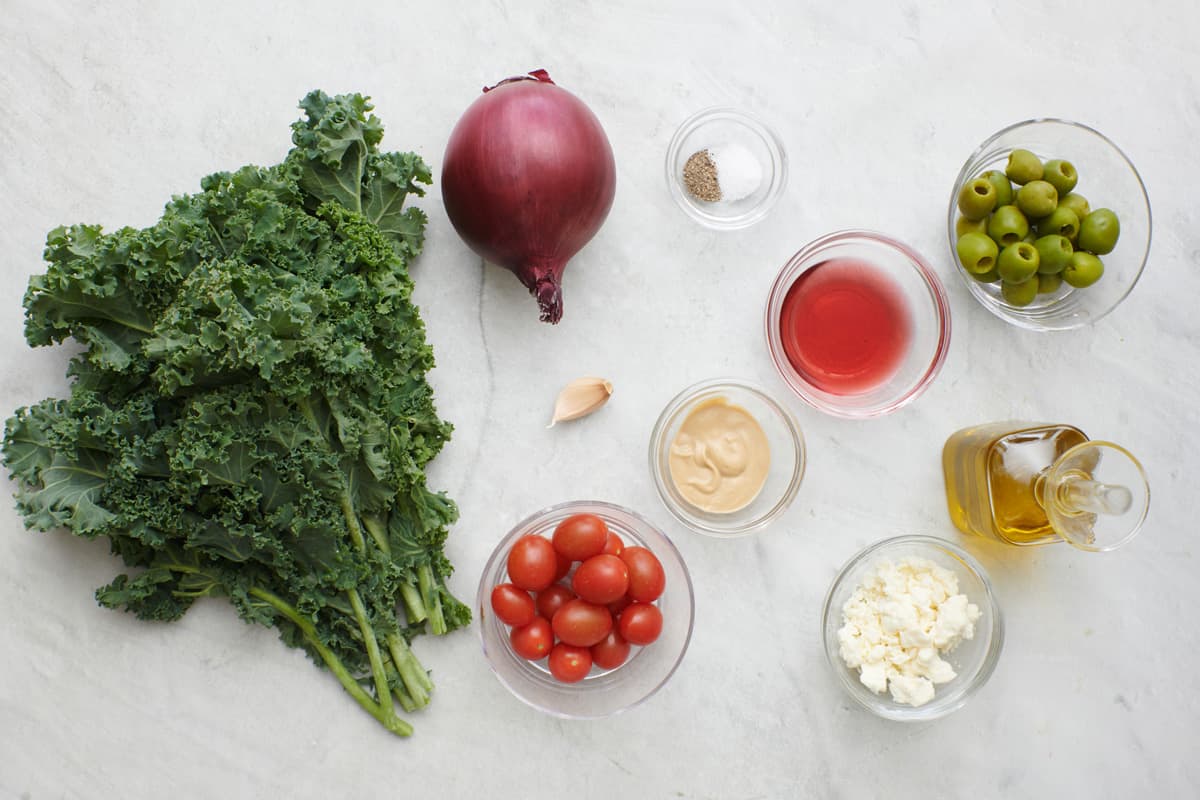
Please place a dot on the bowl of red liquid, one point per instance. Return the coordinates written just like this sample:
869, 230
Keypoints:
857, 323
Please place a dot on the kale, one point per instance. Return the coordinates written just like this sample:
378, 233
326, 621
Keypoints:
250, 416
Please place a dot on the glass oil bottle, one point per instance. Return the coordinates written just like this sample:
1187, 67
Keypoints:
1027, 483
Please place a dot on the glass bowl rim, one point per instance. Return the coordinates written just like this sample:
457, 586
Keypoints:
484, 592
1013, 315
787, 276
658, 440
779, 161
844, 675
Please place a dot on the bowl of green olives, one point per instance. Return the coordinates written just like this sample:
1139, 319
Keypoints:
1049, 224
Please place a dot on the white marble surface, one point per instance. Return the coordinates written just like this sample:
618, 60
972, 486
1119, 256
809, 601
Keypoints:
110, 108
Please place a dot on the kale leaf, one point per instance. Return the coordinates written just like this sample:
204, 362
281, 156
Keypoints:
250, 415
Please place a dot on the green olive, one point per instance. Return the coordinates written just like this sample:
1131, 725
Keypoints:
1099, 231
1023, 167
1077, 203
1008, 225
1017, 262
1037, 199
1003, 187
1061, 174
1019, 294
991, 276
1062, 221
977, 199
1054, 253
963, 225
1048, 284
977, 252
1084, 270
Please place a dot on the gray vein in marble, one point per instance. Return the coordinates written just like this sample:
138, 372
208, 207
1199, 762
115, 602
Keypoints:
491, 376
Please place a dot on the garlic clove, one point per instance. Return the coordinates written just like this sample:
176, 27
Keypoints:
579, 398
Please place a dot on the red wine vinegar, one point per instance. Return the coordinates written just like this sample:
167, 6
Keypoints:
845, 326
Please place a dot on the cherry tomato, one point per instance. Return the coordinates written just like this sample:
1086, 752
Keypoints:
601, 579
646, 577
617, 606
641, 623
610, 652
512, 605
581, 623
564, 566
613, 544
551, 599
531, 563
570, 664
532, 641
580, 536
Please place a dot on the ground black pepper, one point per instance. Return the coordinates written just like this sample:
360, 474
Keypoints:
700, 177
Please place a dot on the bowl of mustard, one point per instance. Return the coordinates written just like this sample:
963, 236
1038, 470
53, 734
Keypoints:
727, 459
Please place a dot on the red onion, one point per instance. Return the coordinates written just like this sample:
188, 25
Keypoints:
528, 179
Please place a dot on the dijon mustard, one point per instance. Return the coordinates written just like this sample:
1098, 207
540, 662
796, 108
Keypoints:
720, 457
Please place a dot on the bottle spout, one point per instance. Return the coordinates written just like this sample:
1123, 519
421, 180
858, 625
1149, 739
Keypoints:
1095, 497
1098, 496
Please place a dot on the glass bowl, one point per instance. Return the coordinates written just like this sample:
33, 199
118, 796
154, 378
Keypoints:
603, 692
1108, 179
783, 478
712, 128
919, 291
973, 659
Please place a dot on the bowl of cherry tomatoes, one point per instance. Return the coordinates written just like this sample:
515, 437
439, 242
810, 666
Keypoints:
585, 609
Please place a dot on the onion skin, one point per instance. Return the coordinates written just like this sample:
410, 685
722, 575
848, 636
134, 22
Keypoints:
528, 179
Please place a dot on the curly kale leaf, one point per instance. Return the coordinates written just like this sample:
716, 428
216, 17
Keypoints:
337, 153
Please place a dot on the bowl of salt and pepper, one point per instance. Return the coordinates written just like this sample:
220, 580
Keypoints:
725, 168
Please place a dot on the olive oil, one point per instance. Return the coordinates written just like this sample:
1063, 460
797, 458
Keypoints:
995, 475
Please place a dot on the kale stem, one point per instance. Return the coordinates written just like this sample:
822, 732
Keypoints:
382, 689
356, 534
375, 527
414, 607
362, 168
437, 620
429, 594
220, 241
344, 500
389, 721
406, 702
416, 681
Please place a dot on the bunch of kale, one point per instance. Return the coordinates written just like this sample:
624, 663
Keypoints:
250, 415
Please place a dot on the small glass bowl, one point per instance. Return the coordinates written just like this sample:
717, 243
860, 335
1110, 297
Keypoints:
604, 692
713, 127
973, 659
1108, 179
787, 458
929, 313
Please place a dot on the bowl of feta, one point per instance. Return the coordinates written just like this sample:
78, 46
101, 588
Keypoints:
911, 627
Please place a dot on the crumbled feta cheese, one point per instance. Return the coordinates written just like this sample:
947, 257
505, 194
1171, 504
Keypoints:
913, 690
899, 621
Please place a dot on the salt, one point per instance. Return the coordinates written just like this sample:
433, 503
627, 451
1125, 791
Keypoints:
738, 172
